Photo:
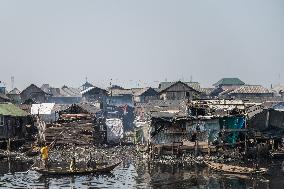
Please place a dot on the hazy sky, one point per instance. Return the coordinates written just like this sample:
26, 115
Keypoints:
61, 42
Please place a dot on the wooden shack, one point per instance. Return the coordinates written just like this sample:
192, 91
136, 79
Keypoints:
35, 94
178, 91
12, 121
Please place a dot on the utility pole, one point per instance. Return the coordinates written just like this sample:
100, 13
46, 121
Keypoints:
12, 82
196, 140
110, 85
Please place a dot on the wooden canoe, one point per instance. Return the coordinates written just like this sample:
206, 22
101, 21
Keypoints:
67, 172
277, 154
234, 169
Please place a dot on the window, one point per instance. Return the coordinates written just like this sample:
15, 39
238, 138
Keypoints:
1, 120
187, 94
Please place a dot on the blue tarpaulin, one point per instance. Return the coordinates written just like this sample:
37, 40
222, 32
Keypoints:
232, 123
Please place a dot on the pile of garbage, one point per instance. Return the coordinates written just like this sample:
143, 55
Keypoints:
62, 155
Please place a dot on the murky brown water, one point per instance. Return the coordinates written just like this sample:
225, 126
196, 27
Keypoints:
141, 175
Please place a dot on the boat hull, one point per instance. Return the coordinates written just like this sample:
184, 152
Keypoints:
59, 172
234, 169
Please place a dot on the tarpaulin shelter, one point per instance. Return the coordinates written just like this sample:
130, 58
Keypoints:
232, 126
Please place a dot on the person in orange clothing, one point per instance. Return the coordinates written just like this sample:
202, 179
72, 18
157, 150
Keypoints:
44, 156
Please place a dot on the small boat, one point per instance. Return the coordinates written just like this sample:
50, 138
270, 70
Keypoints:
67, 172
235, 169
277, 154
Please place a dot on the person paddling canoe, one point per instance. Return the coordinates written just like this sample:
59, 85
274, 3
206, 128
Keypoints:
44, 156
45, 150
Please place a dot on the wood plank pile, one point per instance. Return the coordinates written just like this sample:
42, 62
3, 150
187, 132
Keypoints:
70, 117
78, 133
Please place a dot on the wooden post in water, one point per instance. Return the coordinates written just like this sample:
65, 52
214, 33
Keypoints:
196, 145
9, 154
196, 141
245, 137
9, 148
208, 148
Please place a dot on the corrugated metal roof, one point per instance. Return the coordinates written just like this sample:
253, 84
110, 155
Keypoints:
87, 90
15, 91
118, 92
70, 92
225, 92
165, 85
140, 91
54, 91
167, 114
136, 91
45, 88
229, 81
206, 91
194, 85
159, 105
250, 89
62, 92
12, 110
34, 89
89, 107
60, 107
91, 88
